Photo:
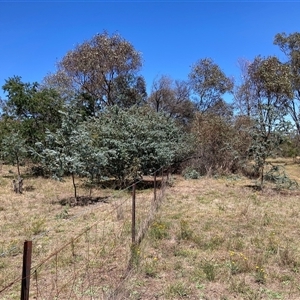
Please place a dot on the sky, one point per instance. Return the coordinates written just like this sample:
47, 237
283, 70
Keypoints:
171, 35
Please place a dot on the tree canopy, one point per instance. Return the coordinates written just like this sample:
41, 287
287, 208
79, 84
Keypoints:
30, 109
209, 83
140, 139
290, 45
93, 117
172, 98
98, 68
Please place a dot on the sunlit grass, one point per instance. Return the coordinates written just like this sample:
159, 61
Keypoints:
213, 238
226, 240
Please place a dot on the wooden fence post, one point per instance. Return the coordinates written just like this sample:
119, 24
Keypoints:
26, 270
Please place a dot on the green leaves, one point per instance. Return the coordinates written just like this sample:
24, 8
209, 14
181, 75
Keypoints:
139, 139
290, 45
33, 109
13, 149
120, 143
267, 134
209, 83
71, 149
271, 78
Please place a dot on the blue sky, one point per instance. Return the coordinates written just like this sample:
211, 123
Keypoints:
171, 35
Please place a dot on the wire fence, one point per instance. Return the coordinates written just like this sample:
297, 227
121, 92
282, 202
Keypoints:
90, 264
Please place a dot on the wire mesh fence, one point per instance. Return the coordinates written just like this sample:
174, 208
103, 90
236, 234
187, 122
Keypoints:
89, 264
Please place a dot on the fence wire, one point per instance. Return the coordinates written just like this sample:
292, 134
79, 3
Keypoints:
92, 263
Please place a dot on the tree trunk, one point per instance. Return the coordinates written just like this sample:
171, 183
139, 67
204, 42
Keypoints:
262, 177
74, 185
18, 165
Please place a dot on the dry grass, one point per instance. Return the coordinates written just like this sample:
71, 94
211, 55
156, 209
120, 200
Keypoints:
221, 239
96, 238
212, 239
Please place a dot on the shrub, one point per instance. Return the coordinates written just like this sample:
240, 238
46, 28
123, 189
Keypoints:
190, 173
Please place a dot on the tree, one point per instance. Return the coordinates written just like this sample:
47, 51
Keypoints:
71, 150
272, 80
290, 45
97, 68
129, 90
140, 141
33, 109
223, 110
13, 149
209, 83
244, 93
172, 98
272, 87
214, 144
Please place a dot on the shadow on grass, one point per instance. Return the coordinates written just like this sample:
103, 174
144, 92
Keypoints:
82, 201
114, 184
29, 188
282, 191
253, 187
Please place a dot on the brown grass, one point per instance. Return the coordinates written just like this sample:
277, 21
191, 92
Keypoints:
221, 239
94, 239
212, 239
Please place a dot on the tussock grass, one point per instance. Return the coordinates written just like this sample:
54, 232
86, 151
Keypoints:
96, 238
224, 240
212, 238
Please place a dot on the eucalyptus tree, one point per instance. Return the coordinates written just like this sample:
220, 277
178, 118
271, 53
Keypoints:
172, 98
244, 91
30, 109
209, 83
214, 140
13, 149
71, 150
290, 46
139, 140
271, 81
129, 90
98, 68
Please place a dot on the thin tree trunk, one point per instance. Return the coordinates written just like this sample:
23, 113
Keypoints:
18, 165
92, 180
74, 185
262, 177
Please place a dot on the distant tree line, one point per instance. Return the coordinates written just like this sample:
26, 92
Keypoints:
93, 117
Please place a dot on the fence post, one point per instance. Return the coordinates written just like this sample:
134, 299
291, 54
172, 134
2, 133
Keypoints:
155, 186
26, 270
133, 215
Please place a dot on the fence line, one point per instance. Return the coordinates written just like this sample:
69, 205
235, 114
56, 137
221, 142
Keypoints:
94, 254
88, 210
157, 200
108, 246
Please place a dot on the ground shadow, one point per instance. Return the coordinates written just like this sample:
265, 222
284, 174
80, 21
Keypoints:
29, 188
253, 187
117, 185
281, 191
82, 200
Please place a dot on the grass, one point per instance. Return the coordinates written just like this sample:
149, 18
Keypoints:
224, 240
95, 238
213, 238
